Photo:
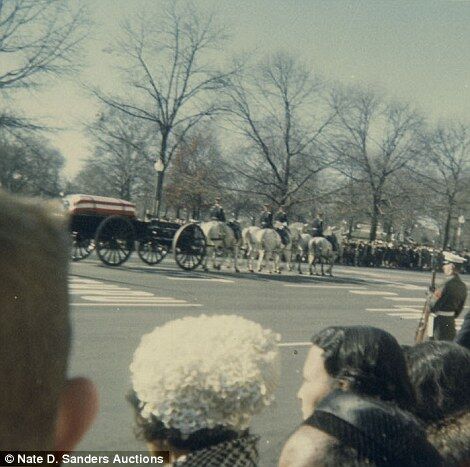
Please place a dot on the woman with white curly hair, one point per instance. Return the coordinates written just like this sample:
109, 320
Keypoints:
197, 382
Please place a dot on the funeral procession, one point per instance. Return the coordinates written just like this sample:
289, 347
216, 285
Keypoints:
235, 234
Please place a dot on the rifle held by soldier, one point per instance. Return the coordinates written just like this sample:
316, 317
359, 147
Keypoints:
424, 320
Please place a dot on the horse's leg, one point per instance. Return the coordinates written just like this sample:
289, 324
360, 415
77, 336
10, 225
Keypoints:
260, 259
299, 260
311, 259
235, 257
322, 264
204, 262
332, 262
249, 258
277, 262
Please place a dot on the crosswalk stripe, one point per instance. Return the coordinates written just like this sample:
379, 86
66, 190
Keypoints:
131, 299
132, 305
372, 292
320, 286
113, 293
391, 309
207, 279
101, 294
405, 299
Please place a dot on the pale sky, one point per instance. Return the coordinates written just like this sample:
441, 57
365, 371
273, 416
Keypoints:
414, 50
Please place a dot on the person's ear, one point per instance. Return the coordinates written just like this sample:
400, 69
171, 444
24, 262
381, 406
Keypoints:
78, 408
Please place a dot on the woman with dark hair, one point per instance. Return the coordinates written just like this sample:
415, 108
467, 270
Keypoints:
440, 374
197, 382
365, 360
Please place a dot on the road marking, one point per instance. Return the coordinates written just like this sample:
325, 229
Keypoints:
406, 286
319, 286
372, 292
405, 299
294, 344
131, 299
393, 309
112, 293
97, 287
133, 305
207, 279
406, 315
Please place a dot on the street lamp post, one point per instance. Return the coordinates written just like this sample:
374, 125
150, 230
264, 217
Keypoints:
461, 221
159, 168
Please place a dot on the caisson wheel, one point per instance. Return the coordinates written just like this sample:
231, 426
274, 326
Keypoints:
189, 246
152, 252
114, 240
81, 247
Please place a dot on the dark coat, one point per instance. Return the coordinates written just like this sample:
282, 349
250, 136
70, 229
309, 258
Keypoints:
281, 217
452, 295
217, 213
266, 220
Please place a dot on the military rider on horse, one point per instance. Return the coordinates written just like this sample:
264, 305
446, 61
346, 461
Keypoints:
217, 213
281, 228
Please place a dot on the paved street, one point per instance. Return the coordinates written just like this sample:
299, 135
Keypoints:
112, 308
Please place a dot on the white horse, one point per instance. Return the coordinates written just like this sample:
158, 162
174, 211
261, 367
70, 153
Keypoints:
303, 250
298, 246
264, 242
220, 236
250, 245
321, 250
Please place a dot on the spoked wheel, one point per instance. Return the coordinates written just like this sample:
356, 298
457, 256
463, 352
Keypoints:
152, 252
81, 247
114, 240
189, 246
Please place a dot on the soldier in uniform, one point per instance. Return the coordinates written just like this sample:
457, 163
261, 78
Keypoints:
235, 226
266, 218
447, 301
283, 231
217, 211
317, 225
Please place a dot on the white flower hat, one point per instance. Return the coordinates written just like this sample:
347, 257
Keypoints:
206, 371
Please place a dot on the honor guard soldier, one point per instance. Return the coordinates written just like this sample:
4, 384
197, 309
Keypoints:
448, 300
235, 226
281, 228
217, 211
266, 218
317, 225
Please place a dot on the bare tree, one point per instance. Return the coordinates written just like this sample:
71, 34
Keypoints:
120, 165
377, 139
37, 38
30, 166
275, 108
445, 170
169, 76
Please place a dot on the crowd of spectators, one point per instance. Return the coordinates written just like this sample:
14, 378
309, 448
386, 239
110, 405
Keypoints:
198, 382
390, 255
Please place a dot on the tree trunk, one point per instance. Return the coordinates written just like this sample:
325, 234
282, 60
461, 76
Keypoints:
445, 239
374, 221
350, 227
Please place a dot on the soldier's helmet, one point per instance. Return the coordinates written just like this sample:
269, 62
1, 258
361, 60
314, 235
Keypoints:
452, 258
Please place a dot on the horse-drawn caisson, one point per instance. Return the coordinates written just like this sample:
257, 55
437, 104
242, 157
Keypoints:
111, 227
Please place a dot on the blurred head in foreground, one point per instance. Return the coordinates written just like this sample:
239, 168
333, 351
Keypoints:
350, 430
440, 374
361, 359
39, 408
198, 381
